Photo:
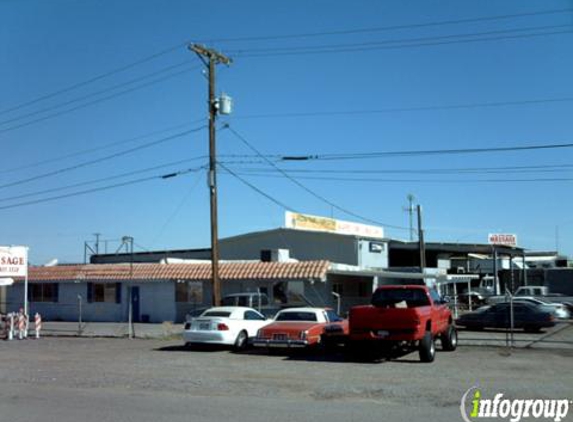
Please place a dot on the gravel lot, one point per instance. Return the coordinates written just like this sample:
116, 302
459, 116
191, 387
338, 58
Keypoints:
89, 380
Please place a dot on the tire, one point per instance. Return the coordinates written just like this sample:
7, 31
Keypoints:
449, 339
532, 329
427, 348
241, 342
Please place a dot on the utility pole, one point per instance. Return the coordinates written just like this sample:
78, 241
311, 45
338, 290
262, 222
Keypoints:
410, 211
421, 243
128, 241
211, 58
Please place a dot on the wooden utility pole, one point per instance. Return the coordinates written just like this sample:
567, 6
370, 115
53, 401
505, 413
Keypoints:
211, 58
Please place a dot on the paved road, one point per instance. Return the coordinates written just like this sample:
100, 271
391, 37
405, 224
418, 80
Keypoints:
116, 380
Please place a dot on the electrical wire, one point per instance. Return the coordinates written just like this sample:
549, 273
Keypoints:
415, 153
102, 188
275, 37
343, 49
100, 148
308, 190
103, 179
89, 103
101, 159
95, 78
96, 93
256, 189
176, 211
404, 109
398, 41
346, 179
552, 168
389, 28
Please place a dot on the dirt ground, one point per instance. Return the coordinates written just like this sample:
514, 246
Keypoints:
82, 379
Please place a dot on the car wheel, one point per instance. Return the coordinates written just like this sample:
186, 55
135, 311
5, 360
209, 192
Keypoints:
449, 339
532, 329
427, 348
241, 342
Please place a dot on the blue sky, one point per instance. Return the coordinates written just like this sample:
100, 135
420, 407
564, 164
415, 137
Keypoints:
48, 46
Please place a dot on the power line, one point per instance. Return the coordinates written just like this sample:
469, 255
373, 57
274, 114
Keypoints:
425, 180
175, 212
256, 189
100, 148
95, 78
302, 186
376, 154
343, 49
397, 41
276, 37
93, 94
101, 159
103, 179
405, 109
465, 170
89, 103
390, 28
102, 188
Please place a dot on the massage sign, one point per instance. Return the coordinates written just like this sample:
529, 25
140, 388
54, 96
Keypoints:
13, 261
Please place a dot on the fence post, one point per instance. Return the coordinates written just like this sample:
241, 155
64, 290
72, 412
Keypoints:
11, 331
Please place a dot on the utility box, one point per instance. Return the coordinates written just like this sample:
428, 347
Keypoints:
225, 104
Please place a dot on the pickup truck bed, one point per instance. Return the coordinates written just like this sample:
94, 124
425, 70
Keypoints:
406, 317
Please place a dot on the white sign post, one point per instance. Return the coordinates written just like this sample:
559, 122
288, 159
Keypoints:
14, 263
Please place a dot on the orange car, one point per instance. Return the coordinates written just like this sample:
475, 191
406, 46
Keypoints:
302, 327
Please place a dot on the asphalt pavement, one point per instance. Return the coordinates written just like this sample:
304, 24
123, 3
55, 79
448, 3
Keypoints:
65, 379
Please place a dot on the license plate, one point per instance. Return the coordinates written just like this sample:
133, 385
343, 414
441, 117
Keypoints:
204, 326
382, 333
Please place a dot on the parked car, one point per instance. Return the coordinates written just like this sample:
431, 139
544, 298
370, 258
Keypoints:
255, 300
526, 316
225, 325
408, 317
560, 310
302, 327
537, 292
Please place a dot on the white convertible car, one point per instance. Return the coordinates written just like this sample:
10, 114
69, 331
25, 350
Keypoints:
226, 325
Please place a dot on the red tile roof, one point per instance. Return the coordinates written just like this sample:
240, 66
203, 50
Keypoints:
315, 270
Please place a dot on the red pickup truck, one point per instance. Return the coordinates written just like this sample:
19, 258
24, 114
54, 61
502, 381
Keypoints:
407, 317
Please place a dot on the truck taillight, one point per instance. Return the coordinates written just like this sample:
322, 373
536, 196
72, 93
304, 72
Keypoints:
222, 327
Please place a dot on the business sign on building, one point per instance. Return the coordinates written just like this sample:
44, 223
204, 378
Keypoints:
13, 261
298, 221
504, 239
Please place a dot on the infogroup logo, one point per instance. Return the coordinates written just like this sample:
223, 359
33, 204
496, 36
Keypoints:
474, 407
